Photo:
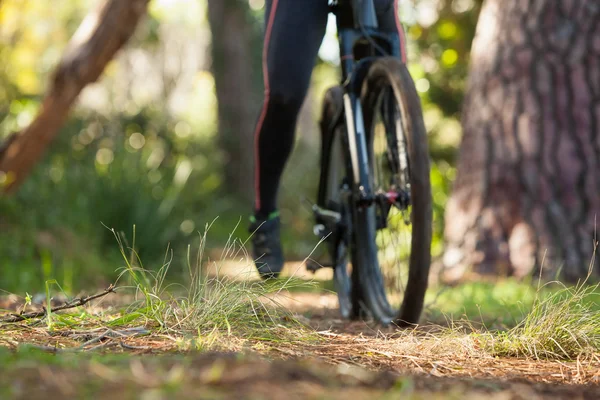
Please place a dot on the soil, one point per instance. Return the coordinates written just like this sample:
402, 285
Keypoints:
349, 360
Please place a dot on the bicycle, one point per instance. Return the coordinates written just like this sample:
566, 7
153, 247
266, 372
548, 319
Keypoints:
374, 175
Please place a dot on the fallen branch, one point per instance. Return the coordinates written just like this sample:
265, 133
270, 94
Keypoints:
132, 347
100, 36
100, 346
72, 304
112, 334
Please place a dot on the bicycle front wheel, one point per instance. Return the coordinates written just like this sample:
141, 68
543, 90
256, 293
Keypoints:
392, 237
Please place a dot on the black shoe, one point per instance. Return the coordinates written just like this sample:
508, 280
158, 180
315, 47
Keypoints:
266, 247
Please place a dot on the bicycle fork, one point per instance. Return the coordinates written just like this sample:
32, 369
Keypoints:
365, 195
357, 145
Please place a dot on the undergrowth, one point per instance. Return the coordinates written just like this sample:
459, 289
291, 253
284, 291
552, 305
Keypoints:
207, 312
563, 325
552, 322
212, 307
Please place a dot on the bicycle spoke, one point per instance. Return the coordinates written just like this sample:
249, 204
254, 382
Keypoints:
391, 175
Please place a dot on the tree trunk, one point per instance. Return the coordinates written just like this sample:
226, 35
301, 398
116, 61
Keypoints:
101, 34
527, 192
236, 68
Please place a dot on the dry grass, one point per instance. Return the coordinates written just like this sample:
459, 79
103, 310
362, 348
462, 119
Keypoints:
557, 340
213, 309
564, 325
208, 313
428, 351
440, 355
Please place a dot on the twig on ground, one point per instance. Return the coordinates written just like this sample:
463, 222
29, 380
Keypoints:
131, 347
72, 304
101, 345
11, 343
112, 334
109, 335
95, 340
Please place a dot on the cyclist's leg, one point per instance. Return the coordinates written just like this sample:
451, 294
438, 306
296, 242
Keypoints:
294, 31
389, 21
293, 35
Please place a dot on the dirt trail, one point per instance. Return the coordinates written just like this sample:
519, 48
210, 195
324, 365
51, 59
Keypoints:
424, 351
349, 359
230, 376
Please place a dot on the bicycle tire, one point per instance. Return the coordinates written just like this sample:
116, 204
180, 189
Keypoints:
391, 75
334, 169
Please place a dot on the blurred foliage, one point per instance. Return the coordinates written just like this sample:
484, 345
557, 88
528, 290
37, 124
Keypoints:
119, 172
140, 147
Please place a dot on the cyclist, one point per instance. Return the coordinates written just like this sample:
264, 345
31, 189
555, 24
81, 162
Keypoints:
294, 30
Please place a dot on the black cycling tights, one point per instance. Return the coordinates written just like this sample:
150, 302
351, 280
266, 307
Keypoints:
294, 32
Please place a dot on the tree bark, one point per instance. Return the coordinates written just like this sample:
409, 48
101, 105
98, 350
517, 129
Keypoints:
527, 192
236, 69
101, 34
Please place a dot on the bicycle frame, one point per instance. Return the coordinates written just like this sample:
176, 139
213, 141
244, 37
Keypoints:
361, 42
356, 31
351, 209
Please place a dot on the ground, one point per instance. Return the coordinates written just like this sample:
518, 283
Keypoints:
336, 359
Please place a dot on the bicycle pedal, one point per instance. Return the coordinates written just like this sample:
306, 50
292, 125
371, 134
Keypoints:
313, 266
320, 230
